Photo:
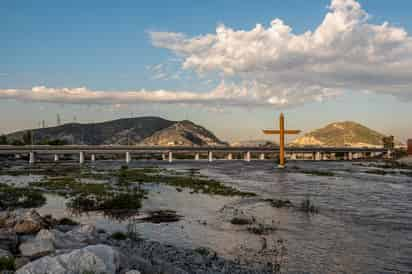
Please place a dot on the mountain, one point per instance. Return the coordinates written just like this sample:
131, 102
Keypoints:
341, 134
133, 131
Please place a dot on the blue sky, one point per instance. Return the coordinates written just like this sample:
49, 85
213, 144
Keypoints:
108, 46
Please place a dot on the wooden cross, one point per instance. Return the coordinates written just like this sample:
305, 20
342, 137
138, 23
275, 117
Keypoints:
281, 133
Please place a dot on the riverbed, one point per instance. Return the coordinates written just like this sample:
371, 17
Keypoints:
363, 224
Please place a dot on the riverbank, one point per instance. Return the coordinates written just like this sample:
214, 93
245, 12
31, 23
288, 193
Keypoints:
34, 244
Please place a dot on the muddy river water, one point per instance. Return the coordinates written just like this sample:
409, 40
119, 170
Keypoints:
364, 224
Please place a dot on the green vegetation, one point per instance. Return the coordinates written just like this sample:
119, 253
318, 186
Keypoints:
241, 221
197, 184
318, 173
67, 221
70, 185
12, 198
278, 203
119, 236
3, 140
7, 264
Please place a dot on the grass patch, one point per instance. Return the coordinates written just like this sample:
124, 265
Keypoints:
318, 173
67, 221
278, 203
178, 180
7, 264
241, 221
13, 197
66, 184
119, 236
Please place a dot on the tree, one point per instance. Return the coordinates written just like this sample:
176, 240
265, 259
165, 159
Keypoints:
27, 137
3, 140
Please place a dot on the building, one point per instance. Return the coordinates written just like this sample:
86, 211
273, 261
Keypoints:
389, 142
410, 147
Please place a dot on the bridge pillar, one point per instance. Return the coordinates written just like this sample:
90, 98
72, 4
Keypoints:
318, 156
325, 156
247, 156
93, 157
389, 154
210, 156
56, 157
32, 158
350, 156
230, 156
262, 156
128, 158
163, 157
293, 156
81, 157
197, 156
170, 157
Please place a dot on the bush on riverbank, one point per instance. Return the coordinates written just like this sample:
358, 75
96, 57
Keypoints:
13, 197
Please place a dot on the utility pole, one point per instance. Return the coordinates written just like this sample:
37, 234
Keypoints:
58, 120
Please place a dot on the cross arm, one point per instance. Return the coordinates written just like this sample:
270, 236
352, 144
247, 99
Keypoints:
292, 131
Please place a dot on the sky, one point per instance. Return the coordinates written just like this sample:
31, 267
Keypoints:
231, 66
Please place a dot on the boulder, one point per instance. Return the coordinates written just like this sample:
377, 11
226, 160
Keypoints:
36, 248
133, 272
83, 233
29, 223
21, 261
59, 239
96, 259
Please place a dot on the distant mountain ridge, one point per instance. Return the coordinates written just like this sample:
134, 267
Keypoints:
340, 134
134, 131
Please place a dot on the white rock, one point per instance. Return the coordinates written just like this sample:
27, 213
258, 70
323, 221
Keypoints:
96, 259
83, 233
133, 272
36, 248
60, 240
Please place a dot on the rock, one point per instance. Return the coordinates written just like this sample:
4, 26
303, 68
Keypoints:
36, 248
45, 265
133, 272
21, 261
96, 259
59, 239
31, 222
8, 240
142, 264
84, 233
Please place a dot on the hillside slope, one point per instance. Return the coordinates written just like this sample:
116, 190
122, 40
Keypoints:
133, 131
341, 134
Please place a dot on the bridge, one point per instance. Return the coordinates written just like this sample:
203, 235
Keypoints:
89, 152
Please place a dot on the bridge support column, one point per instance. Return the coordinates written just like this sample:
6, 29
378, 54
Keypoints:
262, 156
56, 157
163, 157
247, 156
210, 156
170, 157
93, 157
128, 158
318, 156
325, 156
32, 158
230, 156
293, 156
81, 157
350, 156
313, 156
389, 154
197, 156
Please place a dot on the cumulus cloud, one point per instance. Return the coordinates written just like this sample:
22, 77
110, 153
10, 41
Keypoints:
270, 65
345, 52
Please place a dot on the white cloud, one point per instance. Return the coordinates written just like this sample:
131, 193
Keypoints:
269, 65
345, 52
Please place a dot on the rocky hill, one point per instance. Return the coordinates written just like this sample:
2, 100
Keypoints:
133, 131
341, 134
